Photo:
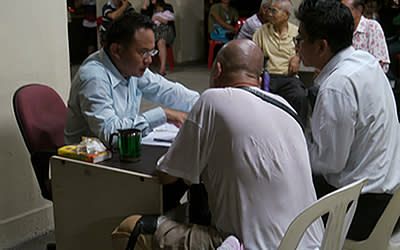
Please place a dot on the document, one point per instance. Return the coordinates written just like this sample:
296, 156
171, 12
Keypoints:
162, 135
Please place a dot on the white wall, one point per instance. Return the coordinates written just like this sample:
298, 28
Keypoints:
188, 45
34, 48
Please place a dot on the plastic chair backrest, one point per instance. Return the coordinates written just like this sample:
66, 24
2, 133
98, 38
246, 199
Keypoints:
239, 23
99, 22
41, 115
336, 204
383, 230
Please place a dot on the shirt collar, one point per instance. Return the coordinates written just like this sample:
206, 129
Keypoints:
292, 31
115, 77
362, 25
259, 18
332, 64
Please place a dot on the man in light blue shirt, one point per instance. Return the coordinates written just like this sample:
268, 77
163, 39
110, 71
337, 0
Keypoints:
107, 90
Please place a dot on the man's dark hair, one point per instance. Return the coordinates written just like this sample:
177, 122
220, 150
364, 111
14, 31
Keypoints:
329, 20
123, 28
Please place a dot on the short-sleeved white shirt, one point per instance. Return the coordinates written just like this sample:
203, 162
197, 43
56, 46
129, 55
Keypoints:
252, 157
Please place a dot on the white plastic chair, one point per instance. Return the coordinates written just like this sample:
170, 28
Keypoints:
339, 220
382, 236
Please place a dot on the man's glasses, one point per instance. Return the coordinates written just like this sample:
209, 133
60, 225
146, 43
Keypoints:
147, 53
273, 11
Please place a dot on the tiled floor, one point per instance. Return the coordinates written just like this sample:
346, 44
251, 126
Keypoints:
193, 76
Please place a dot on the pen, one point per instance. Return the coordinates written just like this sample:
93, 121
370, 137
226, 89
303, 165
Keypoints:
163, 140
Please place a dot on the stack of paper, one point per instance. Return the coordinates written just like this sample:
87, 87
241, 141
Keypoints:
162, 135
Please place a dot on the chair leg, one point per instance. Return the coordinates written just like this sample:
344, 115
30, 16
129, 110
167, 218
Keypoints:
170, 55
210, 54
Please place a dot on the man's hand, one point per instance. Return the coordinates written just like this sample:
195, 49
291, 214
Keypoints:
175, 117
294, 64
124, 4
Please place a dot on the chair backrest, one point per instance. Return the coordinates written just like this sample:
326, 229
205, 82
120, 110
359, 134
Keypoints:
239, 23
99, 22
339, 220
41, 115
383, 230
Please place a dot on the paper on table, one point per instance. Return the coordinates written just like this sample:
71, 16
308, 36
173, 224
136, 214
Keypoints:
162, 135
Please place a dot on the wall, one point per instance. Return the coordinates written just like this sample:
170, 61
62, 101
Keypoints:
189, 23
34, 48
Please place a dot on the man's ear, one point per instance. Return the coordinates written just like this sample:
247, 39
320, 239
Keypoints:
360, 9
219, 70
323, 47
116, 50
260, 79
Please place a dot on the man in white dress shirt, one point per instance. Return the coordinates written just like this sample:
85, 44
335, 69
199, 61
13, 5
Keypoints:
354, 125
250, 154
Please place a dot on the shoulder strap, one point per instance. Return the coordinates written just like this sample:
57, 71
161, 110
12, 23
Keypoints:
274, 102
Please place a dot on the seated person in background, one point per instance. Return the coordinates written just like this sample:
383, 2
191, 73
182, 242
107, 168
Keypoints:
111, 10
89, 24
161, 13
354, 125
368, 34
106, 92
221, 21
276, 39
254, 22
224, 144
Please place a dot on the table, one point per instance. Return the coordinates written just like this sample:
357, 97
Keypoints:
90, 200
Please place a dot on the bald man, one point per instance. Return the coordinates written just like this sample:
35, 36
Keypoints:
251, 156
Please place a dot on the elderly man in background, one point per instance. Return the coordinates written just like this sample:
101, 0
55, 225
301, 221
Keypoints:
224, 144
368, 34
254, 22
107, 90
354, 125
276, 39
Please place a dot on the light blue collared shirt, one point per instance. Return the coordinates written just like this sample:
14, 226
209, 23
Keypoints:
101, 100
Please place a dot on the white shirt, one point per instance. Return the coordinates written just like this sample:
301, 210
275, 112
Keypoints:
250, 26
252, 157
355, 129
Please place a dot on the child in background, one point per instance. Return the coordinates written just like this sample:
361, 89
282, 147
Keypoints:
160, 13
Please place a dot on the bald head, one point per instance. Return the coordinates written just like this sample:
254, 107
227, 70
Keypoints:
239, 61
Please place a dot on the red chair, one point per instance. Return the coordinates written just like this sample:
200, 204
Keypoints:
170, 56
41, 115
99, 22
211, 47
239, 23
213, 43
